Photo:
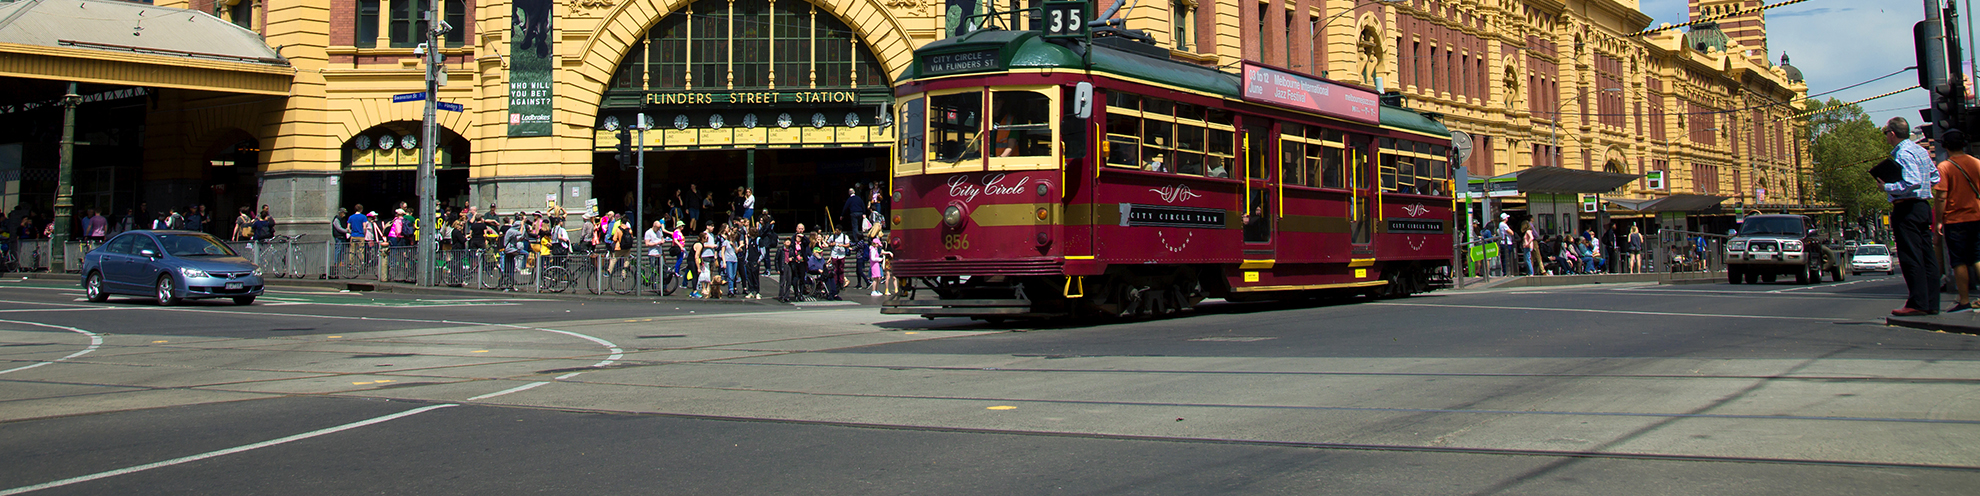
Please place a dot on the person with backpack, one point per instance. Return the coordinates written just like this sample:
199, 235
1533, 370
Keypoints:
1959, 214
513, 247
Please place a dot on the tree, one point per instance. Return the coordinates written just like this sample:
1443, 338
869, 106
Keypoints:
1844, 144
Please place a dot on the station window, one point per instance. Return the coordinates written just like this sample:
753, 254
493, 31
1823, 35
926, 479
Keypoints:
366, 33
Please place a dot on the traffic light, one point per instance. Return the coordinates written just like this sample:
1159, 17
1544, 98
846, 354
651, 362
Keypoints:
625, 149
1948, 105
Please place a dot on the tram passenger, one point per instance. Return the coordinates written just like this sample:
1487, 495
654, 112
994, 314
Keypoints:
1155, 164
1220, 167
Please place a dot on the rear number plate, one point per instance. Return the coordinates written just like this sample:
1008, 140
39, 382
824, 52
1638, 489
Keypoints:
234, 285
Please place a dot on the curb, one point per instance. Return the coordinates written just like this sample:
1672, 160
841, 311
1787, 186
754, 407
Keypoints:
1967, 323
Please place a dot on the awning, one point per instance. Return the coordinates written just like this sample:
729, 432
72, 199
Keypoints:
119, 43
1563, 180
1684, 202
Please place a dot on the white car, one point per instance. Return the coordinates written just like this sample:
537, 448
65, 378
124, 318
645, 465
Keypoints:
1872, 258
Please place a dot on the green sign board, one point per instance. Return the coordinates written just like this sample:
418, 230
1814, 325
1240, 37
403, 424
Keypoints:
1491, 251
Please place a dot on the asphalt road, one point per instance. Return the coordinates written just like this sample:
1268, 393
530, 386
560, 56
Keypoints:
1623, 389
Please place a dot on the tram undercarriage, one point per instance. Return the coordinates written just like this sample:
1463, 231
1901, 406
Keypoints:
1123, 292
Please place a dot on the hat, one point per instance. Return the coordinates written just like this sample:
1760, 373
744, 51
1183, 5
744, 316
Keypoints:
1504, 215
399, 211
373, 213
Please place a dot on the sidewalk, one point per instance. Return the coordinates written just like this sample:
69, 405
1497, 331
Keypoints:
849, 296
1963, 322
1471, 283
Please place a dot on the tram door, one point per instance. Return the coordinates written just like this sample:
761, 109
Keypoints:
1360, 179
1261, 206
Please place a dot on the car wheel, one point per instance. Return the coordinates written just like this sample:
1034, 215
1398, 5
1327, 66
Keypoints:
1801, 276
1751, 277
167, 295
1835, 274
94, 288
244, 300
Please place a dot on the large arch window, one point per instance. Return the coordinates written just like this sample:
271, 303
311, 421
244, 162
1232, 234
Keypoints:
749, 44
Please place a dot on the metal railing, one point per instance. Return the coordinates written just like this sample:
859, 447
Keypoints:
1687, 251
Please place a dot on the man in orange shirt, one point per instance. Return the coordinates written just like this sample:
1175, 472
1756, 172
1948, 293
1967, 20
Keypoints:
1959, 212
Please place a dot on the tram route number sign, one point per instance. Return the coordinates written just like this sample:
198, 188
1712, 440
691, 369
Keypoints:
951, 63
1136, 215
1065, 19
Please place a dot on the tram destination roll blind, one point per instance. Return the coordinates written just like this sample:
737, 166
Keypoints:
951, 63
1135, 215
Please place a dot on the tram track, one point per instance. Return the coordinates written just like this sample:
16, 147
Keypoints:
1533, 375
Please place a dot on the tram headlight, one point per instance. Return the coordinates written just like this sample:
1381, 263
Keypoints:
952, 216
897, 197
1043, 189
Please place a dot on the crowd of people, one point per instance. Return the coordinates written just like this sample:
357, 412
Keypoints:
725, 250
1525, 251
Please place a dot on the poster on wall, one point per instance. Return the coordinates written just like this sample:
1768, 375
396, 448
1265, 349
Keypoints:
529, 69
958, 10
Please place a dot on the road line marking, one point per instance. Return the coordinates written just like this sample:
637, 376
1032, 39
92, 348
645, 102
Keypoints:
95, 340
27, 310
1626, 312
567, 376
516, 389
224, 452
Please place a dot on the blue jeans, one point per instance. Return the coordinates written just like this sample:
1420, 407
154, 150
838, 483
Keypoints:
729, 270
1526, 260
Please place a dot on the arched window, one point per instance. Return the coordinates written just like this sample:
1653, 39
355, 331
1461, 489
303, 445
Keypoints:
749, 44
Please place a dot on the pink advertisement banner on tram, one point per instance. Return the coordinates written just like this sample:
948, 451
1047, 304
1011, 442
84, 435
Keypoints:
1285, 89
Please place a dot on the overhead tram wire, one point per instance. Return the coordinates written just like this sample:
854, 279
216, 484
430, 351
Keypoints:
1715, 18
1834, 107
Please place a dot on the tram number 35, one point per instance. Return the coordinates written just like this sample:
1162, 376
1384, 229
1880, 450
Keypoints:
1065, 19
955, 241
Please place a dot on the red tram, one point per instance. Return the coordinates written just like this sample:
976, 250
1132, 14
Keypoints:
1040, 177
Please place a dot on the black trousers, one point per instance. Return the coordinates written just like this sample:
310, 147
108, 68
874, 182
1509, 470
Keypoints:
1912, 221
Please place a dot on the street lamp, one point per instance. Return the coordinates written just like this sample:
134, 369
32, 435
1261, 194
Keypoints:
1554, 139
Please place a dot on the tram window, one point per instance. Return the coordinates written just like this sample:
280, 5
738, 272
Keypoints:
1254, 152
1221, 117
1219, 158
1158, 106
1440, 161
1310, 162
1258, 220
1189, 149
1123, 100
1021, 124
1292, 157
1155, 143
1387, 151
914, 128
953, 121
1330, 167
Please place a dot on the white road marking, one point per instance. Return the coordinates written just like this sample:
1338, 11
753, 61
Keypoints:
516, 389
83, 309
1625, 312
228, 451
95, 340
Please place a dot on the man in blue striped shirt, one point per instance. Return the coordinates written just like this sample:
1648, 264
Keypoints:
1911, 219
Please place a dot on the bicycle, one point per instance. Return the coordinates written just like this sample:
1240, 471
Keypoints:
680, 275
270, 261
359, 262
632, 274
562, 272
292, 259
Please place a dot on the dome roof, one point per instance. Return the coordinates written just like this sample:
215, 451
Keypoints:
1706, 36
1793, 74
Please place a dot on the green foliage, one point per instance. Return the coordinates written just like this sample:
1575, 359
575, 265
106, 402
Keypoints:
1844, 144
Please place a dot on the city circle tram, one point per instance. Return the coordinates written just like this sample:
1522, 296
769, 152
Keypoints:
1048, 176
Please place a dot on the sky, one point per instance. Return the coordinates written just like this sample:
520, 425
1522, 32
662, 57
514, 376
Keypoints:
1837, 43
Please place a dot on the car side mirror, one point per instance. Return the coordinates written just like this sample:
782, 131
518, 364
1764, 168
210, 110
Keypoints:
148, 253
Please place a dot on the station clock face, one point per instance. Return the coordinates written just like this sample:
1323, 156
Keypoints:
749, 121
715, 121
408, 142
818, 120
681, 122
784, 120
385, 142
363, 142
852, 119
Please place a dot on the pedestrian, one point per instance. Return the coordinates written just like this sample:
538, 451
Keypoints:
340, 233
855, 210
513, 248
727, 243
1507, 255
196, 218
707, 252
1910, 191
841, 248
1528, 242
99, 227
127, 223
875, 263
655, 241
1960, 213
244, 225
1635, 249
749, 203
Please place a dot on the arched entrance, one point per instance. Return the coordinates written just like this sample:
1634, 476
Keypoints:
232, 180
381, 168
779, 95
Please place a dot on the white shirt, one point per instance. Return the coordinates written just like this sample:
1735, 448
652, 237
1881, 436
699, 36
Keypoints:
653, 240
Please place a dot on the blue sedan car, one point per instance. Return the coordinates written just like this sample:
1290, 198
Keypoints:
170, 266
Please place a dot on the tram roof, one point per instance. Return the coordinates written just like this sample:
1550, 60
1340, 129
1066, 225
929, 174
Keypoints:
1029, 50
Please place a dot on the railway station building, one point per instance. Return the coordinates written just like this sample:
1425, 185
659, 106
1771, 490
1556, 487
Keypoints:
301, 106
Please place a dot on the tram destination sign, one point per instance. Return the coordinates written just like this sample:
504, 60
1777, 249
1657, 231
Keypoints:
953, 63
1420, 226
1285, 89
1137, 215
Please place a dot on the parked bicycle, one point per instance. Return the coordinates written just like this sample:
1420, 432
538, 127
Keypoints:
631, 274
567, 272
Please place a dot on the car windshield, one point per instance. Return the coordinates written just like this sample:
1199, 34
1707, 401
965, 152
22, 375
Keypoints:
1872, 250
1771, 225
194, 245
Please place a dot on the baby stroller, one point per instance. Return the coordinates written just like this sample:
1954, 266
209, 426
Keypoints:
816, 270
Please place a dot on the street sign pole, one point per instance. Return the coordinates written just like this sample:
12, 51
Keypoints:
428, 197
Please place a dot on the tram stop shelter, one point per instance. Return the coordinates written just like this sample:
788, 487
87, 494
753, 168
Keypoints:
1552, 194
125, 101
